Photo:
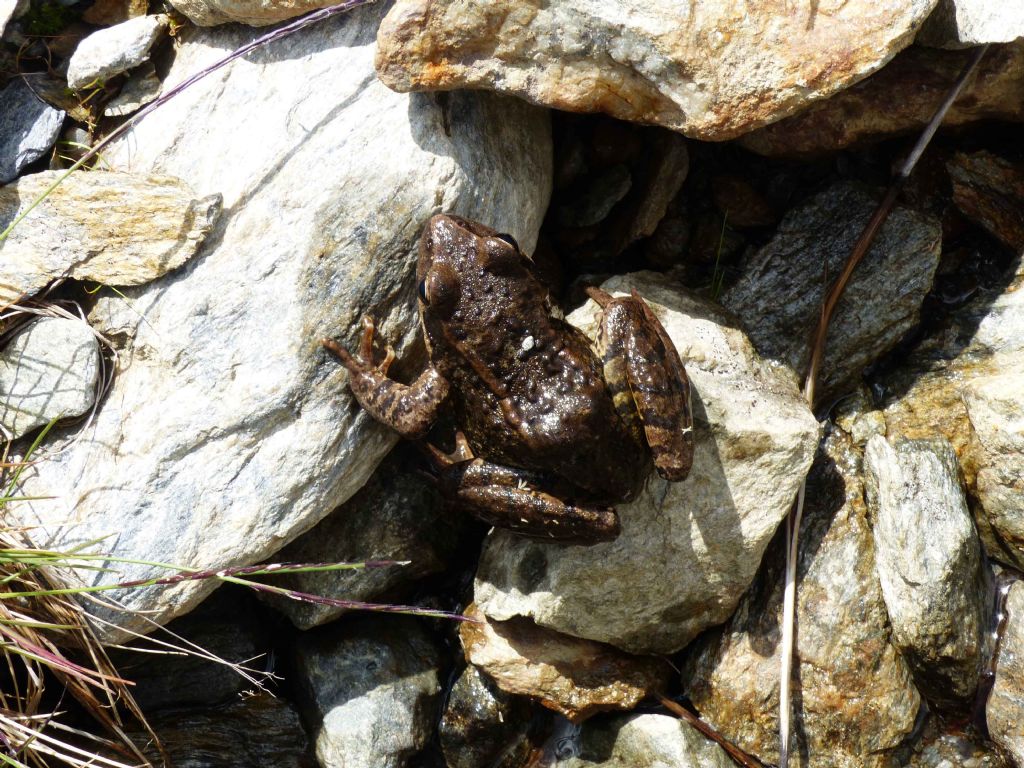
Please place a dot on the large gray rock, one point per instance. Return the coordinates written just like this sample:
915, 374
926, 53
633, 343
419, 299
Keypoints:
963, 23
1004, 711
780, 293
111, 228
755, 439
209, 13
114, 50
227, 416
48, 371
937, 588
370, 686
28, 128
642, 741
854, 700
712, 70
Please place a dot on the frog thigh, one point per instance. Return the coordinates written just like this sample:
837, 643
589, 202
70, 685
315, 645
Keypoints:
647, 380
512, 498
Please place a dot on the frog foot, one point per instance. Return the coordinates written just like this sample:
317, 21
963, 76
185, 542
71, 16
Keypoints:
511, 498
409, 409
444, 461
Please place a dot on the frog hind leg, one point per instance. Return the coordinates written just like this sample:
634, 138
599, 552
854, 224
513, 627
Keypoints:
647, 380
514, 499
409, 409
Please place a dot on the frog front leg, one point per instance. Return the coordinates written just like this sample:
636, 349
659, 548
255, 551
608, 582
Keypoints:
647, 380
516, 499
409, 409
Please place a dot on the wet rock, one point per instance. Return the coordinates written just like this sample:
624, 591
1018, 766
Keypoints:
641, 741
397, 515
953, 746
706, 71
370, 685
576, 678
140, 89
48, 370
104, 226
857, 416
226, 414
28, 128
1005, 708
114, 50
990, 191
854, 698
687, 550
8, 10
597, 202
963, 23
250, 731
780, 293
900, 99
482, 726
963, 382
937, 589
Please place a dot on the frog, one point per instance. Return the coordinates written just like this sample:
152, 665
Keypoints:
552, 430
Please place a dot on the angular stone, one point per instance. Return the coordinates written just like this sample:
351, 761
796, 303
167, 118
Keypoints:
397, 515
141, 88
576, 678
1004, 711
990, 191
111, 51
370, 686
48, 371
755, 438
780, 293
937, 587
706, 70
643, 741
28, 128
256, 13
854, 697
900, 99
106, 13
226, 414
104, 226
963, 23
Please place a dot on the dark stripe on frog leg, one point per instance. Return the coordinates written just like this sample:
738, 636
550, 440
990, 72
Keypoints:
408, 409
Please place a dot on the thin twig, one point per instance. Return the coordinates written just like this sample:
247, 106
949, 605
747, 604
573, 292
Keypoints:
817, 353
738, 755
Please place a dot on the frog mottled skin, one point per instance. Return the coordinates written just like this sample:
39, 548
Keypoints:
551, 432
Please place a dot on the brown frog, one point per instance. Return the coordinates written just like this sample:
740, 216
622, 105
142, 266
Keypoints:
552, 431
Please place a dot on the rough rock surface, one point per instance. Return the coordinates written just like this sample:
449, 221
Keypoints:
227, 415
103, 226
712, 70
963, 23
990, 190
687, 550
28, 128
900, 99
482, 725
855, 700
937, 588
208, 13
141, 88
397, 515
48, 370
641, 741
965, 382
8, 10
106, 13
779, 295
370, 685
576, 678
111, 51
1004, 711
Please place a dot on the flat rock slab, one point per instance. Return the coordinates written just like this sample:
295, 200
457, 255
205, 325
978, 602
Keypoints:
687, 550
114, 50
28, 128
854, 698
227, 415
104, 226
900, 99
938, 590
48, 371
574, 677
780, 293
712, 70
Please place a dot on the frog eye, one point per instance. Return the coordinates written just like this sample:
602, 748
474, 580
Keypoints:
508, 239
440, 288
421, 289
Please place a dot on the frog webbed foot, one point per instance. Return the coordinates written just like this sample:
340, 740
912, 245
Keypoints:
409, 409
511, 498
